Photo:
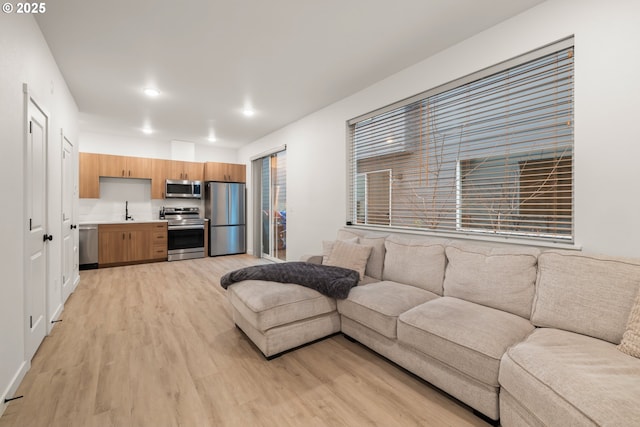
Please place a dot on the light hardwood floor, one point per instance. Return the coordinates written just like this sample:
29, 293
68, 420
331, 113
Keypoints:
155, 345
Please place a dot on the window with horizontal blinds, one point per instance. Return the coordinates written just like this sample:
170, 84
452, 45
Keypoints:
490, 154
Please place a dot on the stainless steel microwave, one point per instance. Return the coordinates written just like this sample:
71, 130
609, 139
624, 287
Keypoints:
182, 189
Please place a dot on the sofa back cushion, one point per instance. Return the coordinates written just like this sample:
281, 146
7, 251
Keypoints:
349, 255
327, 247
416, 262
587, 294
499, 277
376, 241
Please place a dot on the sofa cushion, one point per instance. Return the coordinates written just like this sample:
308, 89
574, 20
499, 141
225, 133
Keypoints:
349, 255
587, 294
466, 336
378, 305
570, 379
269, 304
416, 262
376, 241
499, 277
631, 338
327, 247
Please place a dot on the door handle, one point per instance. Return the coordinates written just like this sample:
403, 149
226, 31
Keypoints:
73, 227
46, 237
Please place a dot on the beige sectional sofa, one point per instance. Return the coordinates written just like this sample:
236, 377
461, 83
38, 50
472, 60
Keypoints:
518, 334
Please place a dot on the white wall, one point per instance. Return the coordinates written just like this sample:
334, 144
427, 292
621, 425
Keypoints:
114, 192
93, 142
25, 58
607, 101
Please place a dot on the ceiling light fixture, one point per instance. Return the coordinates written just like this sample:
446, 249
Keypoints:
248, 112
147, 131
151, 92
212, 139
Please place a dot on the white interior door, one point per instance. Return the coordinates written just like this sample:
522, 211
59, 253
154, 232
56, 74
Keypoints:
68, 228
36, 210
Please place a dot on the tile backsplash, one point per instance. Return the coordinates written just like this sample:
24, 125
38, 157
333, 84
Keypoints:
114, 192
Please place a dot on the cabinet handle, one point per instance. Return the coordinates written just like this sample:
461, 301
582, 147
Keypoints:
186, 176
129, 236
123, 236
129, 173
122, 172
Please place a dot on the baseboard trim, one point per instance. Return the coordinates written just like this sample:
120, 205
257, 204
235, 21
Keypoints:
75, 284
14, 384
55, 317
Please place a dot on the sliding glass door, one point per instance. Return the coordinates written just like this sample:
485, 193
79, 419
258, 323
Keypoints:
272, 220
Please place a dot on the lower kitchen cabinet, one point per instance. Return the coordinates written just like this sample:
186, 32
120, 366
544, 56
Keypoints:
159, 241
131, 243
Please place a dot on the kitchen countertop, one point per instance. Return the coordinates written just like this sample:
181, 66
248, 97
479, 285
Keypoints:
142, 221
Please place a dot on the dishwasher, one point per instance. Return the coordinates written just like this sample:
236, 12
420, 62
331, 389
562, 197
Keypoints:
88, 246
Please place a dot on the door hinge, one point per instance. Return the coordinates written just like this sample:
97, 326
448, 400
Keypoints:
30, 322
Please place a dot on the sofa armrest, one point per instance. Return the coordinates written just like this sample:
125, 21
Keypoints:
314, 259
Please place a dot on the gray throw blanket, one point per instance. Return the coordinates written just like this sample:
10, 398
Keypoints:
331, 281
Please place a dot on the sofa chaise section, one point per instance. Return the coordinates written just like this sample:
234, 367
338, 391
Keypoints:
281, 316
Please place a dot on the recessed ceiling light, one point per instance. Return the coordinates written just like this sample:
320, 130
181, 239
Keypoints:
147, 130
149, 91
248, 112
211, 139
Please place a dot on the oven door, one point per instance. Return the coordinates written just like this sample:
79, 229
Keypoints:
185, 242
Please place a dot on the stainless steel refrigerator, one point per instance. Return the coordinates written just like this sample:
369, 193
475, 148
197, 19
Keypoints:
224, 206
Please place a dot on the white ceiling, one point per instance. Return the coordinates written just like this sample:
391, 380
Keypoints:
210, 58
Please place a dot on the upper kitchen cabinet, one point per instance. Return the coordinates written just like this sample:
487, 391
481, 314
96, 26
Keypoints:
225, 172
125, 167
89, 181
160, 170
192, 171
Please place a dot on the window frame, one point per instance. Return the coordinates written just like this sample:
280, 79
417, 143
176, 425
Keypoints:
460, 230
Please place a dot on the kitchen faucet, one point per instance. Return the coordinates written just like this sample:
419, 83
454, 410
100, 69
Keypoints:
127, 217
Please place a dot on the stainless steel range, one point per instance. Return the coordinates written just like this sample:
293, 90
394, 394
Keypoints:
185, 232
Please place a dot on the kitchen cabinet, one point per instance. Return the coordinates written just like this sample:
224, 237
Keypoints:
93, 166
159, 173
131, 243
159, 241
125, 167
225, 172
89, 180
192, 171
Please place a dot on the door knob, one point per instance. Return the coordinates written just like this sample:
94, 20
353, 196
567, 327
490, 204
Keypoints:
73, 227
46, 237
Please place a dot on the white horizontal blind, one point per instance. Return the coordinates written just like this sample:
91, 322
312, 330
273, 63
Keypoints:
492, 155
